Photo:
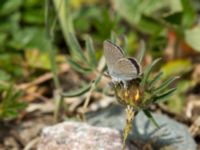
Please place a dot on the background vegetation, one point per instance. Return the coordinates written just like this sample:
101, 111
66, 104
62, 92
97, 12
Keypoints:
51, 51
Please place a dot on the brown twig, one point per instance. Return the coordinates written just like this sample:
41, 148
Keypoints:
43, 78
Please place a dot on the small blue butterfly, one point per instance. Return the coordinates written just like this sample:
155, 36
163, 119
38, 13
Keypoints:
120, 68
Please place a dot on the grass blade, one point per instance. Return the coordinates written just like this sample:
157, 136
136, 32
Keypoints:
62, 10
65, 19
113, 37
150, 117
75, 47
91, 52
148, 71
78, 67
165, 84
142, 51
78, 92
155, 79
164, 96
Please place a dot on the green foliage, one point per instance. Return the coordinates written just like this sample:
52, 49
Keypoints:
154, 17
156, 93
26, 36
79, 67
137, 13
182, 66
150, 117
21, 28
155, 79
148, 71
9, 104
91, 52
164, 85
75, 47
79, 92
192, 37
164, 95
141, 53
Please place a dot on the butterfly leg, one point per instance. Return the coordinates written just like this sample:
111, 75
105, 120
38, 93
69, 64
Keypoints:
125, 84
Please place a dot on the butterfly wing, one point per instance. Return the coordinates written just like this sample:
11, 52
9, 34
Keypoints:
126, 69
112, 54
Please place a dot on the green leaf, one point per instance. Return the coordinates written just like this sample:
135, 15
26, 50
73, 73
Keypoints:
19, 106
165, 84
38, 59
16, 95
162, 97
125, 45
4, 75
78, 92
8, 7
181, 65
79, 67
65, 19
150, 117
148, 71
8, 97
192, 38
30, 37
155, 79
33, 16
189, 14
138, 13
150, 25
9, 113
97, 80
174, 18
142, 51
91, 52
9, 104
113, 37
75, 48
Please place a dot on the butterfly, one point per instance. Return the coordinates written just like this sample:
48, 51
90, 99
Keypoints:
120, 68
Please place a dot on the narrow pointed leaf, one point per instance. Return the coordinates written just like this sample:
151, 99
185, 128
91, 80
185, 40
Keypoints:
7, 100
125, 47
16, 95
75, 47
148, 71
97, 80
18, 106
113, 37
165, 84
78, 67
91, 52
155, 79
150, 117
189, 14
164, 96
142, 51
78, 92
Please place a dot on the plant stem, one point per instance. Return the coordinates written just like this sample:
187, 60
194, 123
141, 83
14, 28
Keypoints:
52, 58
129, 119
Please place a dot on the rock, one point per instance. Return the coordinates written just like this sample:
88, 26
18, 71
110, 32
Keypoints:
171, 135
80, 136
